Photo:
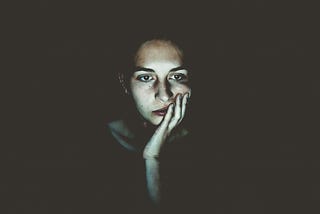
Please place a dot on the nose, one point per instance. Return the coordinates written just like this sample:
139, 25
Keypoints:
164, 92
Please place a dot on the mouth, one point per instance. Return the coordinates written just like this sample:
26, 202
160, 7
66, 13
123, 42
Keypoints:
161, 112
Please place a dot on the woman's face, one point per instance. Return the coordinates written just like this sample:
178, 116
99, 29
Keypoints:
159, 77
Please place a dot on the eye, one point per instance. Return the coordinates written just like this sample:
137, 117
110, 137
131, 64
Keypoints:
179, 77
144, 78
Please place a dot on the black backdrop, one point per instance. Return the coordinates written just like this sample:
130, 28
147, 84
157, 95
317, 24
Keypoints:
255, 97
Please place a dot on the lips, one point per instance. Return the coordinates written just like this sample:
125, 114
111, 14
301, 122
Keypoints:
161, 112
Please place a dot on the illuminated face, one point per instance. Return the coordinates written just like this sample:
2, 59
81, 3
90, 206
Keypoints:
159, 77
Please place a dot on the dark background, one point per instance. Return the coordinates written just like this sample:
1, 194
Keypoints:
254, 104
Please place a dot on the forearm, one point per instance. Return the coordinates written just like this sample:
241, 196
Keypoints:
153, 179
153, 148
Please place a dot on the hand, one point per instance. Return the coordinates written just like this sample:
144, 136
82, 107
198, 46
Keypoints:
173, 118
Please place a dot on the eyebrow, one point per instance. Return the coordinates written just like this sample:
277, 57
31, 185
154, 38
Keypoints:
138, 68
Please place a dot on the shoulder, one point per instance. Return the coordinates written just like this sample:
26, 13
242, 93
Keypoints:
121, 132
115, 125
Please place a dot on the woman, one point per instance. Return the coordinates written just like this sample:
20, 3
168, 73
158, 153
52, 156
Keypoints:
158, 85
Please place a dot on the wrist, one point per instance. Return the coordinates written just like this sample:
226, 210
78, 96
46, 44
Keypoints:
151, 151
150, 155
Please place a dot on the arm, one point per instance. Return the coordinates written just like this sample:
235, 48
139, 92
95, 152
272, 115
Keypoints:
153, 179
152, 150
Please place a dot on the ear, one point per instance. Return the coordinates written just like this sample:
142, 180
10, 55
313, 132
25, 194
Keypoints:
123, 83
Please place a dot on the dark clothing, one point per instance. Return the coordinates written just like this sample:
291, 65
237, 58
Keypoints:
121, 178
227, 173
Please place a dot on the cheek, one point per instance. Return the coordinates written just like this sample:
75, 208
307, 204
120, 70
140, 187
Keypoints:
142, 89
141, 95
141, 107
181, 89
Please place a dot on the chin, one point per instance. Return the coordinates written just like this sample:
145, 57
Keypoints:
155, 121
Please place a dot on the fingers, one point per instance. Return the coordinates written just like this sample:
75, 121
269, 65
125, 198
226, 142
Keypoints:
167, 117
177, 113
184, 105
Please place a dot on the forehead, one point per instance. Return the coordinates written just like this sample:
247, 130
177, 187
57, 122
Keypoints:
158, 52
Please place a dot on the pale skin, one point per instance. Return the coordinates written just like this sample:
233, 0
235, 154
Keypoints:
153, 147
159, 82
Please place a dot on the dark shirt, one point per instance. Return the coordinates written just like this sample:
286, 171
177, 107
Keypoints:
121, 177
